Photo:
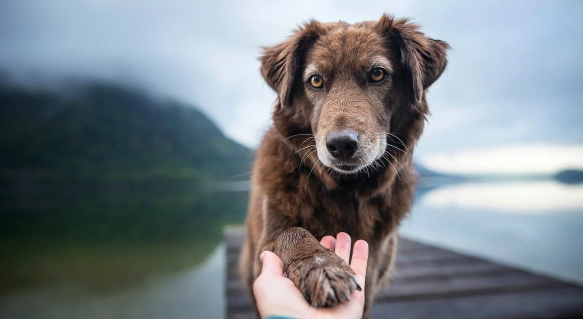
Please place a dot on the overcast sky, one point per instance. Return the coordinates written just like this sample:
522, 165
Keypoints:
515, 74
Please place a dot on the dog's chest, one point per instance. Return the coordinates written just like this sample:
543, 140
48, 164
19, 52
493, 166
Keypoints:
341, 212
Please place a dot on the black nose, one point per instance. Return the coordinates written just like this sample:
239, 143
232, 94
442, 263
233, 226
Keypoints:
342, 144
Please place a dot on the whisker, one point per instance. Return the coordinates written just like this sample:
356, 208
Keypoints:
294, 136
393, 166
359, 174
304, 148
396, 173
393, 146
381, 162
303, 158
307, 140
402, 143
313, 168
396, 160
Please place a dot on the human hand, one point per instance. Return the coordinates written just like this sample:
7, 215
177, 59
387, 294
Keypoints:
277, 295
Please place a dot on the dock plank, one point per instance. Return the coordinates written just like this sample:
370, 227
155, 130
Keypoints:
565, 302
432, 282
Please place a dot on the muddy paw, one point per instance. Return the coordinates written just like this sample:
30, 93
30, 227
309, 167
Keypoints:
324, 279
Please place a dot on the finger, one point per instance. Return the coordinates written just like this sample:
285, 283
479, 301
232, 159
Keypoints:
328, 242
359, 260
342, 248
271, 263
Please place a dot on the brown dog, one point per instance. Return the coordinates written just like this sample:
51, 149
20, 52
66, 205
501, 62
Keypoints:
351, 106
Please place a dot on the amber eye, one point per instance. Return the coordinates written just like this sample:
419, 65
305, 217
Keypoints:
377, 75
316, 81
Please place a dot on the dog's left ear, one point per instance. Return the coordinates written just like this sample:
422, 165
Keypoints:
423, 59
280, 63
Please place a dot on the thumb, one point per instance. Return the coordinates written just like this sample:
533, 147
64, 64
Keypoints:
271, 263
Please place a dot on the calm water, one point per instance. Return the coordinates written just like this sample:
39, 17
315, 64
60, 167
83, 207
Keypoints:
154, 251
114, 250
533, 225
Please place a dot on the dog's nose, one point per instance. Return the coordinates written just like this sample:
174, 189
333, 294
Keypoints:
342, 144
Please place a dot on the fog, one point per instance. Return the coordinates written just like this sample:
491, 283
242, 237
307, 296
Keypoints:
514, 77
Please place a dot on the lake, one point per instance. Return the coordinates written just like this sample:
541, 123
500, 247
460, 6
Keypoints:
154, 250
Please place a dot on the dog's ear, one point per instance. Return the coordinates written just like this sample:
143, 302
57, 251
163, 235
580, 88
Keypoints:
280, 63
423, 59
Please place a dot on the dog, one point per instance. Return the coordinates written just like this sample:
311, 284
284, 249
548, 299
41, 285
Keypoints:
351, 105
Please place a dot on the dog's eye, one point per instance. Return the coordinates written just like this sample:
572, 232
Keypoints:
316, 81
377, 75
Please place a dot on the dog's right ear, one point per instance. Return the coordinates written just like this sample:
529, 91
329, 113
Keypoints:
280, 63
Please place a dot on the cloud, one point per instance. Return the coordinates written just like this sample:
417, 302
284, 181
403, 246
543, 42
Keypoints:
514, 74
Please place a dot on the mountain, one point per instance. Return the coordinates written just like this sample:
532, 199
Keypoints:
104, 131
570, 176
425, 172
429, 180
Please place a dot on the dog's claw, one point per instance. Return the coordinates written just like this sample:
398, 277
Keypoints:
344, 297
355, 284
332, 297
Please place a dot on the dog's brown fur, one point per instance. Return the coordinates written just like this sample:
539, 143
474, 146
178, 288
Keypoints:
297, 183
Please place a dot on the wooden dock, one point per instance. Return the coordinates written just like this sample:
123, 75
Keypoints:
431, 282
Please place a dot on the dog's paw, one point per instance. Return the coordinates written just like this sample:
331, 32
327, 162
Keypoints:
324, 279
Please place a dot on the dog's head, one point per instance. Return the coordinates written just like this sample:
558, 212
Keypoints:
355, 87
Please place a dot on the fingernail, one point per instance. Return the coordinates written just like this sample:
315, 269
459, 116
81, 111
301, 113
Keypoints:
262, 256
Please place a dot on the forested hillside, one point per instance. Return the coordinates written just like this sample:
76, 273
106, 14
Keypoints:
110, 132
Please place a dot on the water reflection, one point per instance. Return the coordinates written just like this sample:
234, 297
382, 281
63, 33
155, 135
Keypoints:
114, 250
153, 250
534, 225
540, 197
193, 293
